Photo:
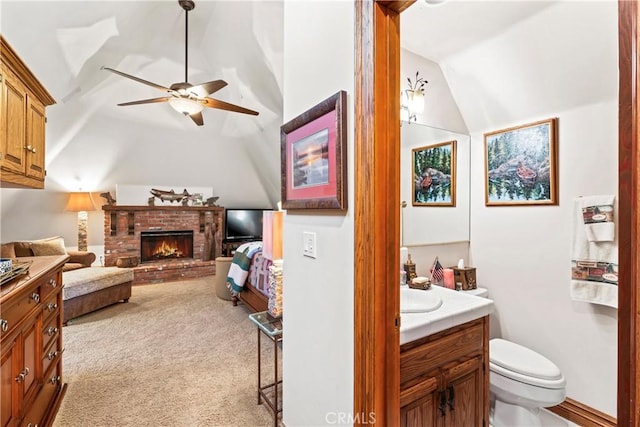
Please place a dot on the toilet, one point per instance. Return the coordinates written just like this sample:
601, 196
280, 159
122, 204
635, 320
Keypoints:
521, 382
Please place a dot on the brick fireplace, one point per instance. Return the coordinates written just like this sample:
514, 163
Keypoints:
184, 241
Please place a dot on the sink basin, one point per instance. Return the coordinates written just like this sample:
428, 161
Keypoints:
418, 301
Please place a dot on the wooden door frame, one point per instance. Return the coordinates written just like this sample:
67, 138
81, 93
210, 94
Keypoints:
628, 204
377, 146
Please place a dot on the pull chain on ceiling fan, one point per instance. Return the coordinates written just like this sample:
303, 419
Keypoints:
184, 97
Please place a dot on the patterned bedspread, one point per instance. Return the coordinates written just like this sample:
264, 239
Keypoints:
249, 267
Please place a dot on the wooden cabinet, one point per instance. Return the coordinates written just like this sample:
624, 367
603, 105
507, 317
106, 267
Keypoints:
31, 343
22, 122
444, 378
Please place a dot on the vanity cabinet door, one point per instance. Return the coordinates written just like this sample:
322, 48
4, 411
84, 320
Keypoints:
419, 404
464, 394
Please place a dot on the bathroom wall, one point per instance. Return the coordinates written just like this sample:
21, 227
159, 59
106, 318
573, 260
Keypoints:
522, 254
318, 293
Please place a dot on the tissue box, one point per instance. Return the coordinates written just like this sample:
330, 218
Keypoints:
464, 278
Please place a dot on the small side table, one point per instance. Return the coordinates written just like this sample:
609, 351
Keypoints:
272, 328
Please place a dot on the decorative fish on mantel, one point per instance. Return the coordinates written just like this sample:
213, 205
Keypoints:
171, 195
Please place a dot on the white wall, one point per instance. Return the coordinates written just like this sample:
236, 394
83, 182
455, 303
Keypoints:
318, 294
560, 63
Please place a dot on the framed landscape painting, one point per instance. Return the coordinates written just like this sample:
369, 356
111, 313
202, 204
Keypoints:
313, 157
434, 174
521, 165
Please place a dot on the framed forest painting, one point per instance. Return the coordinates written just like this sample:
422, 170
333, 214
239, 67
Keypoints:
520, 165
434, 174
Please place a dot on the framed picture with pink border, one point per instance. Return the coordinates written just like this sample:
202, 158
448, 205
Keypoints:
313, 157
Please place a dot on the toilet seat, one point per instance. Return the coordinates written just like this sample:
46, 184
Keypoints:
521, 364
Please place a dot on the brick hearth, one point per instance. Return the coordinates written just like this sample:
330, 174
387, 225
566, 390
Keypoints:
123, 225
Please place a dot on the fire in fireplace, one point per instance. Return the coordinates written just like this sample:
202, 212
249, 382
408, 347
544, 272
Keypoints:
162, 245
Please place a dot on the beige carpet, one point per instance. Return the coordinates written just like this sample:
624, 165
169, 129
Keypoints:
175, 355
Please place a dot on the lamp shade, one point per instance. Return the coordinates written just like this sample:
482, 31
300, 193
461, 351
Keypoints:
80, 202
272, 234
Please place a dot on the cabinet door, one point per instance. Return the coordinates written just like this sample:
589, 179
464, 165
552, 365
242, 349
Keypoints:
13, 123
35, 138
10, 403
419, 404
465, 394
32, 354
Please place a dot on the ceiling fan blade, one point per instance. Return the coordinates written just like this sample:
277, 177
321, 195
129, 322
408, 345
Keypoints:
137, 79
197, 118
146, 101
204, 89
215, 103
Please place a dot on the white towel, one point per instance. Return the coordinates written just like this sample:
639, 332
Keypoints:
594, 265
597, 215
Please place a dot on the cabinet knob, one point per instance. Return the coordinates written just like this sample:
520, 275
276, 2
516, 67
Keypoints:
4, 325
53, 283
51, 355
55, 379
52, 331
35, 297
22, 375
30, 148
32, 425
52, 306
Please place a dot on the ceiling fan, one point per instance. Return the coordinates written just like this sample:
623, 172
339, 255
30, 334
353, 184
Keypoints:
184, 97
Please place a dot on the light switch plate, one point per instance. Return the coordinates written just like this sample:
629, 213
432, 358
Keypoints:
309, 244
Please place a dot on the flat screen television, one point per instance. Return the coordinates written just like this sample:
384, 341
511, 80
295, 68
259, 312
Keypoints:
243, 224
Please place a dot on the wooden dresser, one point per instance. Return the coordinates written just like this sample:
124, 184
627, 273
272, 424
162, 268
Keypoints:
31, 344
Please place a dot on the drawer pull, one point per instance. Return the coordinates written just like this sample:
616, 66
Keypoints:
35, 297
52, 331
55, 379
22, 375
53, 283
30, 148
52, 306
52, 355
32, 425
4, 325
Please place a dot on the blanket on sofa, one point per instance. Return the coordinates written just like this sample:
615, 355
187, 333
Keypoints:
240, 264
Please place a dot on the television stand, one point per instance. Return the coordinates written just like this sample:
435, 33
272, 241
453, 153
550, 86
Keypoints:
230, 246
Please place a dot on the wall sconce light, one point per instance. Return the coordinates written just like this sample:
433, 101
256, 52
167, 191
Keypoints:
81, 202
412, 99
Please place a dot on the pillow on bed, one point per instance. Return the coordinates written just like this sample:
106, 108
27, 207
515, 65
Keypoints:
51, 246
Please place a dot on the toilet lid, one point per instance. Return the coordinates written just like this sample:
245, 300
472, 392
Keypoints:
524, 361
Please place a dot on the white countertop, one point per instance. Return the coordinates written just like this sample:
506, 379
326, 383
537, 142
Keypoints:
458, 307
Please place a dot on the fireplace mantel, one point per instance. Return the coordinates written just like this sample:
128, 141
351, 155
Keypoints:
123, 226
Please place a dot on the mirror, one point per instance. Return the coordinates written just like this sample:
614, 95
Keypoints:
424, 225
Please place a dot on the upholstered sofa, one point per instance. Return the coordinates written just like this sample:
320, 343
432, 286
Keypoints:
86, 288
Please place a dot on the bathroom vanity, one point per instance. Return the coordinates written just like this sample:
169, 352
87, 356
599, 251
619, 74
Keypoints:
444, 362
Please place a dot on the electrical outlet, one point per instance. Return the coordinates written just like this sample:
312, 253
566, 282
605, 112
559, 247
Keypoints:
309, 244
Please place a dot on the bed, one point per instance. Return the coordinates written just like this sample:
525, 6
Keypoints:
248, 277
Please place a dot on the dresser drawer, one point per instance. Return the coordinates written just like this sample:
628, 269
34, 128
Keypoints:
50, 331
51, 355
50, 283
50, 306
13, 312
462, 343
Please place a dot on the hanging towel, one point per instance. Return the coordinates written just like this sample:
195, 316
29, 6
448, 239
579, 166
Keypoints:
594, 265
597, 215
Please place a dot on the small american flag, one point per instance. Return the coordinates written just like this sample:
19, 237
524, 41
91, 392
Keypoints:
437, 272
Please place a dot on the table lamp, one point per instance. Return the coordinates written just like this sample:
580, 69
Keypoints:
81, 202
272, 250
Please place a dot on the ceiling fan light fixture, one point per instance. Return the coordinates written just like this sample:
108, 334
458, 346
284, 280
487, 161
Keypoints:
186, 106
